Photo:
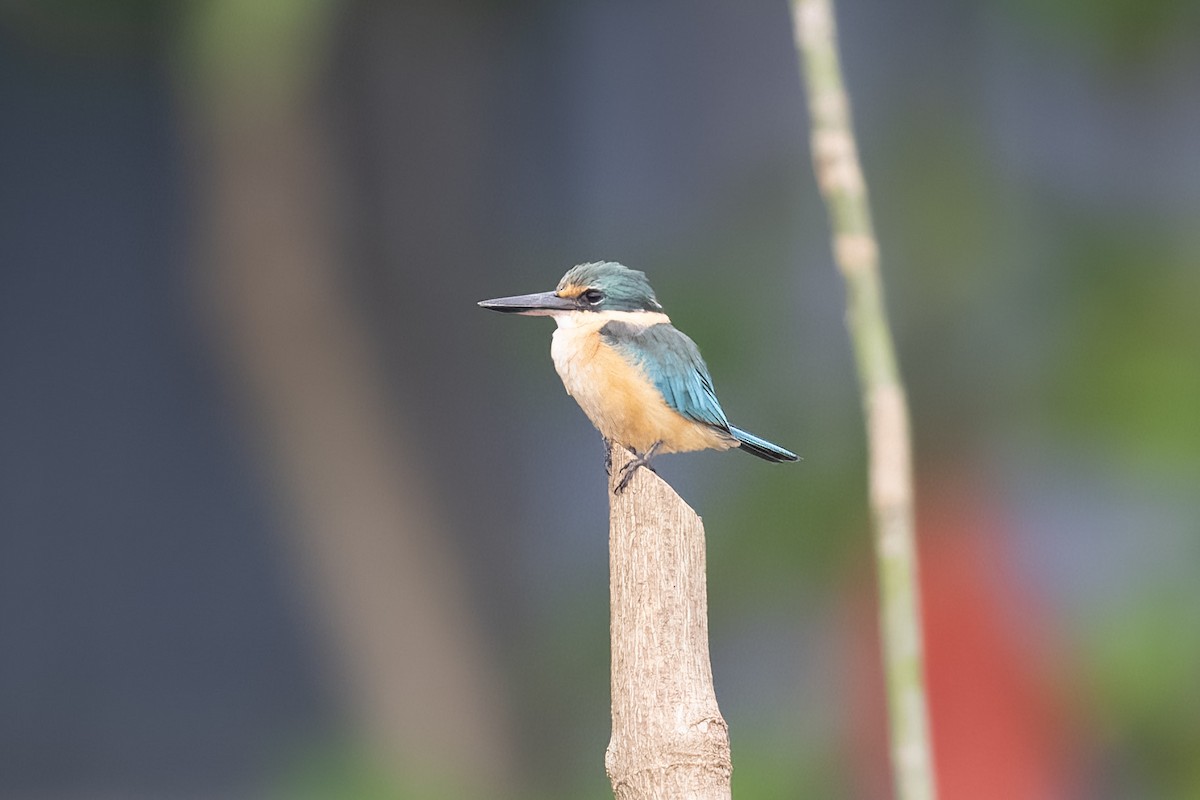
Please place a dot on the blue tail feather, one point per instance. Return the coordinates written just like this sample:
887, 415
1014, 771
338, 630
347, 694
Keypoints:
761, 447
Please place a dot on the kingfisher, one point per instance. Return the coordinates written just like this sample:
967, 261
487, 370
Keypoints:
640, 380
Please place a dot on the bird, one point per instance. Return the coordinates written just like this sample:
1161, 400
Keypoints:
640, 380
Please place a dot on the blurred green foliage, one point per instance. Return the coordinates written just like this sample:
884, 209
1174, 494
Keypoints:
82, 26
1118, 33
347, 772
263, 49
1128, 370
1138, 665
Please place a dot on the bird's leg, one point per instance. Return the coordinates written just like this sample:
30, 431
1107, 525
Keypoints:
607, 455
640, 460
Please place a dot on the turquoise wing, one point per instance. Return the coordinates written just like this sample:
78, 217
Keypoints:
673, 362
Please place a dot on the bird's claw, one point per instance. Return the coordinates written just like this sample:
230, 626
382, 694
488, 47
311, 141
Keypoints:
630, 467
626, 476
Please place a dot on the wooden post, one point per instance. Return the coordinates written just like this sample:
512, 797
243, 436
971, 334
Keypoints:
668, 738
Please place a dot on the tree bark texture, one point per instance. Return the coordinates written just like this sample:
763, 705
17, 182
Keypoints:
668, 737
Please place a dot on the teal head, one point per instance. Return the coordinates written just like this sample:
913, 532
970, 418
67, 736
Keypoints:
595, 287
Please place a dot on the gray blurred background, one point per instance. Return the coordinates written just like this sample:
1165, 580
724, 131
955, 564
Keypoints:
283, 514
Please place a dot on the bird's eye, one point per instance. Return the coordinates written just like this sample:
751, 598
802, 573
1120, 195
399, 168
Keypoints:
592, 296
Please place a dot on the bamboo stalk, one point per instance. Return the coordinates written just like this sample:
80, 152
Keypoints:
840, 178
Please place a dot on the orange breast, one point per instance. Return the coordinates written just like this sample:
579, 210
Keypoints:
620, 399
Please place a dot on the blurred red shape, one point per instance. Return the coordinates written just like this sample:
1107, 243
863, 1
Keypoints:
999, 715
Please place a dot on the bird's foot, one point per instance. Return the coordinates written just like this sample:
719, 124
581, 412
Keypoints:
639, 460
608, 457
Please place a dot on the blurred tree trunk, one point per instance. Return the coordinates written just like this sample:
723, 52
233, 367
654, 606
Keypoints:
669, 740
391, 595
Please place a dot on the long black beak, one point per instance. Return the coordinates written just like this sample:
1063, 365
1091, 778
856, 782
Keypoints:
533, 304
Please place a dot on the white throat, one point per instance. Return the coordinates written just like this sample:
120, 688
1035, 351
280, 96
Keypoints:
589, 319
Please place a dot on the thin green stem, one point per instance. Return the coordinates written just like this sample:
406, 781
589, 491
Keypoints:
840, 178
